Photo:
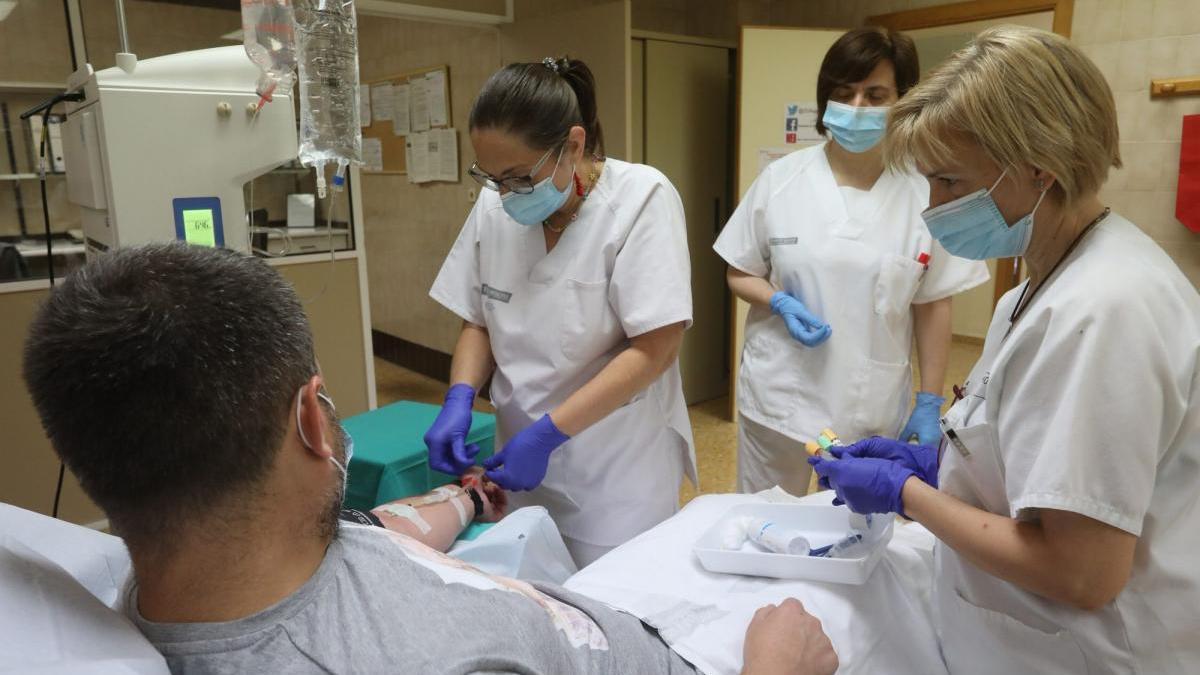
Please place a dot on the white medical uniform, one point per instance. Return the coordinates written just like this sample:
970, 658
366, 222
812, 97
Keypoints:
557, 319
851, 257
1091, 405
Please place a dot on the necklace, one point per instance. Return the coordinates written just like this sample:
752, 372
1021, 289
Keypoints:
593, 177
1022, 303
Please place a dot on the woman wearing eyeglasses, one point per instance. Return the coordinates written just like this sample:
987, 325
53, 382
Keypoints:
572, 278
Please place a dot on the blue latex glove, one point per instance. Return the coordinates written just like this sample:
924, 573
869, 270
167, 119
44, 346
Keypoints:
923, 423
920, 459
521, 465
447, 438
866, 485
804, 326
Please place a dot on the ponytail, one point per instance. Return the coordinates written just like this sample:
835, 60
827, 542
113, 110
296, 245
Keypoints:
541, 102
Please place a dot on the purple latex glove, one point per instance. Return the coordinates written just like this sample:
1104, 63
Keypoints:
447, 438
866, 485
804, 326
920, 459
521, 465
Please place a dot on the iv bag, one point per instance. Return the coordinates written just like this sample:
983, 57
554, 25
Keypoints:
268, 31
327, 57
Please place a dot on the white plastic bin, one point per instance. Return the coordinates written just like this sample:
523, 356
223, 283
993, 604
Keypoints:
821, 525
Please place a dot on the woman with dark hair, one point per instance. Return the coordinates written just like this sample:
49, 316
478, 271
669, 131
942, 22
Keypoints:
572, 278
835, 247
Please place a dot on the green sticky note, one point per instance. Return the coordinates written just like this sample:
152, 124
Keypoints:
198, 227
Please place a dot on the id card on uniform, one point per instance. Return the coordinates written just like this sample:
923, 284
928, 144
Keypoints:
949, 436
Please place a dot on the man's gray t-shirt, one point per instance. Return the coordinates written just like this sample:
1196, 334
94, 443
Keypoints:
383, 603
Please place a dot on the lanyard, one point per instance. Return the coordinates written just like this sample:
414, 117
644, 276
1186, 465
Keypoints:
1021, 301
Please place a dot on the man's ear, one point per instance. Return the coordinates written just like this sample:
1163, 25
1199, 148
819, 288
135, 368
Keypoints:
311, 420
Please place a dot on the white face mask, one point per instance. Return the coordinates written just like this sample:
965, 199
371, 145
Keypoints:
347, 441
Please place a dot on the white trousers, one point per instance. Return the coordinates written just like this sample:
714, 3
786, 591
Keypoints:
767, 458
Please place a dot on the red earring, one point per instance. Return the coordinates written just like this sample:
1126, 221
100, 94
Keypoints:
578, 185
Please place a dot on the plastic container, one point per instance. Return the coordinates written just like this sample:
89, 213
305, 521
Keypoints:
327, 58
269, 33
821, 525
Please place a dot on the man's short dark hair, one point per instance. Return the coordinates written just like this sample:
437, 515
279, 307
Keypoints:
164, 375
855, 54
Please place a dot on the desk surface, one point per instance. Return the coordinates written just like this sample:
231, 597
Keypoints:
38, 250
284, 232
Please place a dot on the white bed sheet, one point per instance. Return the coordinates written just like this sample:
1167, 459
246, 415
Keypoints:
884, 625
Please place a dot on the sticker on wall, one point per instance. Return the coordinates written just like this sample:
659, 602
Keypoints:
799, 123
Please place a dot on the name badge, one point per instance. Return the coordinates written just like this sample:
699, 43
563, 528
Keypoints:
957, 443
784, 241
494, 294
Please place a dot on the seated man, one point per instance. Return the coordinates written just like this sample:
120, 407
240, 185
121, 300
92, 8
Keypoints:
180, 386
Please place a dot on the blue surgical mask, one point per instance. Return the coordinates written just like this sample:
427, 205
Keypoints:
972, 226
535, 207
855, 129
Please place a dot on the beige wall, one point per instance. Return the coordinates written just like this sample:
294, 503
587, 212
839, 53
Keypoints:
34, 23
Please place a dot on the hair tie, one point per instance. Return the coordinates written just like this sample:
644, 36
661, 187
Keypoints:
551, 63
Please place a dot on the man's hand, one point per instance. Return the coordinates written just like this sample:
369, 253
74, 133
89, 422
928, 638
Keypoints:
786, 640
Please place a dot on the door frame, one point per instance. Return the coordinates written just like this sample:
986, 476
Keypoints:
637, 34
1008, 270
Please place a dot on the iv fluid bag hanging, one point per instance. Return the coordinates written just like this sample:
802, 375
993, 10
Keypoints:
269, 33
327, 56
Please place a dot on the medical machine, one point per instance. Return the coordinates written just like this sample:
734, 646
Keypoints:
160, 149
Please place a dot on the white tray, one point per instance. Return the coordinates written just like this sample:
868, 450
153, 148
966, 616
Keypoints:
821, 525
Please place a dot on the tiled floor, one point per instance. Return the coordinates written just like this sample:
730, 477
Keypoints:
716, 436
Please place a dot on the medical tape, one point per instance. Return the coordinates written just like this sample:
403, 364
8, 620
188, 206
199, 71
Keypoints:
438, 496
407, 512
462, 511
444, 493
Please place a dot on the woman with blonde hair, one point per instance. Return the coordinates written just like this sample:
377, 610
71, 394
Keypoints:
1064, 492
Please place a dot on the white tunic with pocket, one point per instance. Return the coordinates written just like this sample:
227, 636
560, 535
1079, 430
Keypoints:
1091, 405
557, 319
858, 270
